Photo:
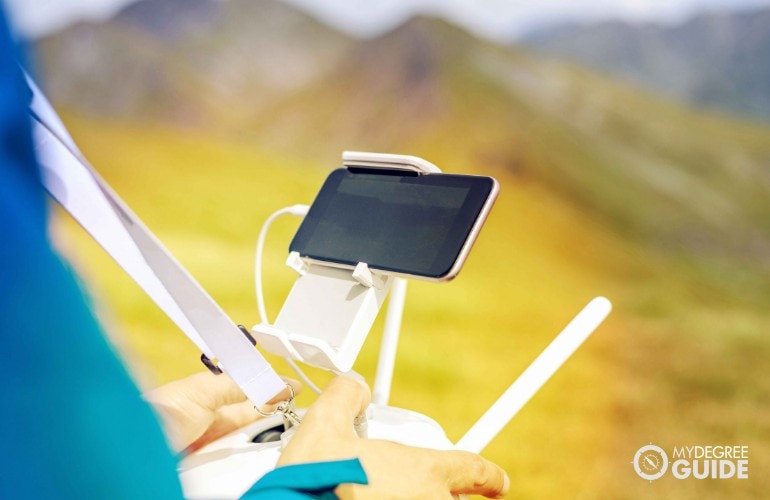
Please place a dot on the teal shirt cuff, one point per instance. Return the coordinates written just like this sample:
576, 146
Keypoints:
306, 481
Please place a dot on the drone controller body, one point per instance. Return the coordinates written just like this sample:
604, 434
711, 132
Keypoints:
228, 467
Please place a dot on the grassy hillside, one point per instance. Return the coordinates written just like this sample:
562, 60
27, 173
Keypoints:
682, 359
197, 63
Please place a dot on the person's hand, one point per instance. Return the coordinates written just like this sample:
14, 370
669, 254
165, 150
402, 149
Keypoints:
203, 407
393, 470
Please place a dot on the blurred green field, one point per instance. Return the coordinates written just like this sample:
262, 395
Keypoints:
682, 359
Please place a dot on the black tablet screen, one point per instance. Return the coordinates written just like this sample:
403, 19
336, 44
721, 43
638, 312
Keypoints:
409, 224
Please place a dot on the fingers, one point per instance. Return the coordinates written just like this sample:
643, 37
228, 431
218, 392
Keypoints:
225, 420
469, 473
238, 415
286, 393
213, 392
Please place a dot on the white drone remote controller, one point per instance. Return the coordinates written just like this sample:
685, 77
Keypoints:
228, 467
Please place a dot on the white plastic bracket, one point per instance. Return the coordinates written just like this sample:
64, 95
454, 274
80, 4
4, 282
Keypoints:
325, 319
366, 277
296, 262
385, 161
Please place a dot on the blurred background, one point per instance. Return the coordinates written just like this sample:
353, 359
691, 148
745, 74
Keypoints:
631, 141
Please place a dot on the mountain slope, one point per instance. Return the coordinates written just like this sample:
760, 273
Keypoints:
717, 60
199, 63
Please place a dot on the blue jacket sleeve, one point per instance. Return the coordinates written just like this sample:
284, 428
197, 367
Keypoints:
307, 481
73, 424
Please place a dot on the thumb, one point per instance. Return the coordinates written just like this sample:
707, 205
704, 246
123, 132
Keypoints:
337, 407
212, 392
326, 432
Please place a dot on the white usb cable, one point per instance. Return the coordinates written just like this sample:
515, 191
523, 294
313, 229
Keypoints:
298, 211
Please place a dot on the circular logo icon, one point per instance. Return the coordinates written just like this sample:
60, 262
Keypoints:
650, 462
